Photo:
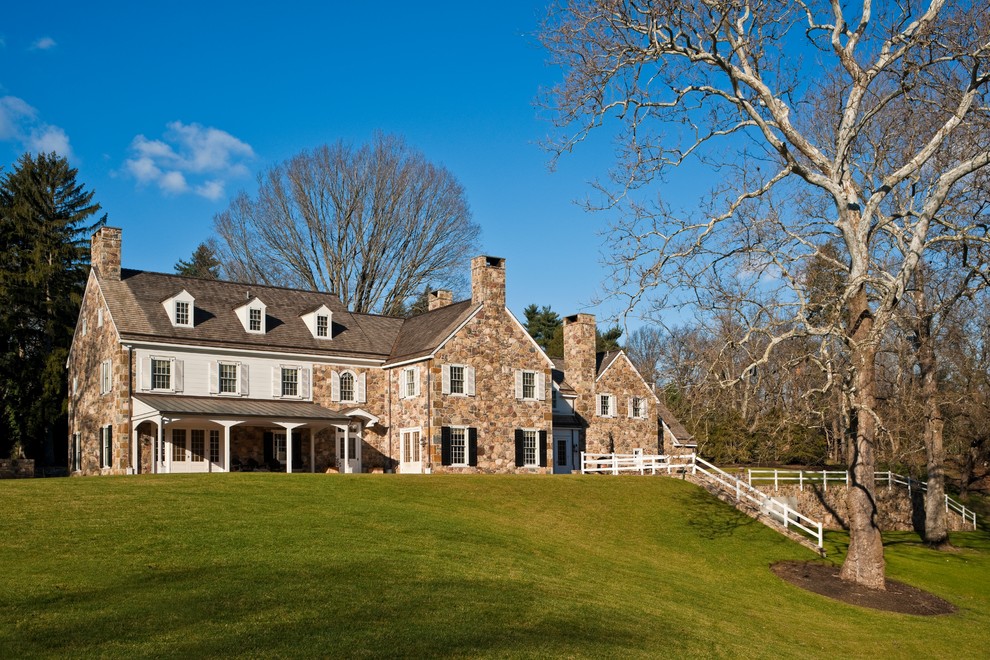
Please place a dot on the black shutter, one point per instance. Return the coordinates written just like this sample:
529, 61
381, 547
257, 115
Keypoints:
445, 446
109, 446
520, 451
269, 446
102, 462
543, 448
296, 451
473, 447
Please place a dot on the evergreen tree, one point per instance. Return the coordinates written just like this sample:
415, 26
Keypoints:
541, 323
45, 224
608, 340
203, 263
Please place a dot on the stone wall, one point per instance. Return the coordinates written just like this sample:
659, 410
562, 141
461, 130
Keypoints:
898, 510
410, 412
374, 448
622, 433
16, 468
496, 347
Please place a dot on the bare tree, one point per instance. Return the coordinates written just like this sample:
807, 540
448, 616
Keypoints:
374, 224
789, 99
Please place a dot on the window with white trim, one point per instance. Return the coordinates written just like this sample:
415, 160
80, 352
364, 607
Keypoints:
76, 452
410, 445
179, 445
278, 446
254, 319
409, 382
530, 448
227, 378
197, 444
347, 387
606, 406
106, 446
457, 379
106, 377
161, 374
182, 312
214, 446
290, 381
529, 384
458, 446
636, 408
322, 325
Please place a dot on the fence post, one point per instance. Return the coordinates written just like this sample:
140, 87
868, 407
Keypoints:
824, 481
749, 476
946, 503
615, 464
582, 463
775, 480
909, 486
890, 480
801, 480
847, 478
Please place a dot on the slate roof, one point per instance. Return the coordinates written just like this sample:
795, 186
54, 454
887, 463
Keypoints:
135, 303
557, 373
604, 360
675, 426
230, 407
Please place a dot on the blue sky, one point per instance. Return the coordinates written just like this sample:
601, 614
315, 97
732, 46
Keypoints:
168, 109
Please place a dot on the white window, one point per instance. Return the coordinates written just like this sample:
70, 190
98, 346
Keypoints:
290, 381
637, 408
278, 446
530, 385
410, 446
347, 386
214, 446
179, 445
161, 374
197, 441
457, 379
76, 453
458, 446
530, 447
106, 446
182, 312
409, 385
106, 377
254, 319
227, 378
322, 325
606, 405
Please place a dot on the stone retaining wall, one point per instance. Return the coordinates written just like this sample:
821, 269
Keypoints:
17, 468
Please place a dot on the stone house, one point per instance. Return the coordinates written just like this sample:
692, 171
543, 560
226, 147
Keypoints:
177, 374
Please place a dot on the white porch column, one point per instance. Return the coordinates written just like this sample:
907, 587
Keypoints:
347, 442
159, 443
226, 424
167, 448
134, 448
288, 426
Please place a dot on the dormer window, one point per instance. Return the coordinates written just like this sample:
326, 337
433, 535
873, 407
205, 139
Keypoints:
252, 315
180, 309
319, 321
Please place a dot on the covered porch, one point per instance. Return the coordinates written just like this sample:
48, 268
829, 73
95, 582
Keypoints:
176, 434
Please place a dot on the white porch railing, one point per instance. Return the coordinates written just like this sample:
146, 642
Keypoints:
653, 464
825, 477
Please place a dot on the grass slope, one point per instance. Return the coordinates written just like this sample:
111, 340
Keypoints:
277, 565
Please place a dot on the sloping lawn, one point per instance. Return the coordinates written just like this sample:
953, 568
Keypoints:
288, 565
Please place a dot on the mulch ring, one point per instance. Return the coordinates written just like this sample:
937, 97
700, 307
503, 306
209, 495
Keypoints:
824, 579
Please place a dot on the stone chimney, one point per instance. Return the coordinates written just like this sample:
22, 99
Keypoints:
488, 280
105, 252
440, 298
579, 361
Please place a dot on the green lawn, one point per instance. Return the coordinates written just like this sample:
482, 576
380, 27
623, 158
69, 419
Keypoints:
286, 565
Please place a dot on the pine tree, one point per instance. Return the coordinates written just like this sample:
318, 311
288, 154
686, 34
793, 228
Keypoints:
203, 263
541, 323
45, 224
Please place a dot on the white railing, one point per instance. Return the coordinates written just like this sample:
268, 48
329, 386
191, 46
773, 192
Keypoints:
637, 463
825, 477
657, 463
775, 508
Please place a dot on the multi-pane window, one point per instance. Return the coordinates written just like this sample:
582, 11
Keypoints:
76, 453
290, 381
106, 446
456, 379
605, 405
106, 374
347, 386
529, 384
214, 446
562, 452
161, 374
178, 445
227, 373
278, 447
254, 319
322, 325
410, 383
458, 445
410, 446
196, 443
637, 407
181, 312
529, 448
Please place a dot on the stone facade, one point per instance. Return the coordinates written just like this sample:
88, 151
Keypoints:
16, 468
621, 432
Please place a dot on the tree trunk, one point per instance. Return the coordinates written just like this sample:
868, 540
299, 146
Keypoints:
936, 532
864, 563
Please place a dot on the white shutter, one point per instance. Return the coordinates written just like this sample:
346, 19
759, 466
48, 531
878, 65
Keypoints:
629, 408
416, 381
541, 386
245, 379
445, 379
519, 384
361, 388
305, 378
598, 405
214, 377
402, 382
643, 410
277, 382
611, 406
178, 369
469, 377
145, 374
334, 386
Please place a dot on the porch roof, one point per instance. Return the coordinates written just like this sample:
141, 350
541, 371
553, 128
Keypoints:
224, 407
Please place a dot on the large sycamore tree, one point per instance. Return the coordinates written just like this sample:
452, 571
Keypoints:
374, 223
849, 125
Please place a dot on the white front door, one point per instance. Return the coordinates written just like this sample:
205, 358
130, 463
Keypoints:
564, 449
410, 461
352, 462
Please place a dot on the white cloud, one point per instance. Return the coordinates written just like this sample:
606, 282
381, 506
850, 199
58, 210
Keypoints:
19, 123
189, 158
44, 43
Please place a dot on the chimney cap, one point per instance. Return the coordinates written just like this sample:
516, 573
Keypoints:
579, 318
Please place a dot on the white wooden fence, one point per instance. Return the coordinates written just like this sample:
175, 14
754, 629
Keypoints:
639, 463
841, 477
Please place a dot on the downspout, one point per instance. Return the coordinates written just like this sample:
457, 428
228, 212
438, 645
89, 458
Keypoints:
429, 414
391, 462
135, 443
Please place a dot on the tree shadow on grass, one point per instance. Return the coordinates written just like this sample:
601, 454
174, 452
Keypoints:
713, 518
356, 609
